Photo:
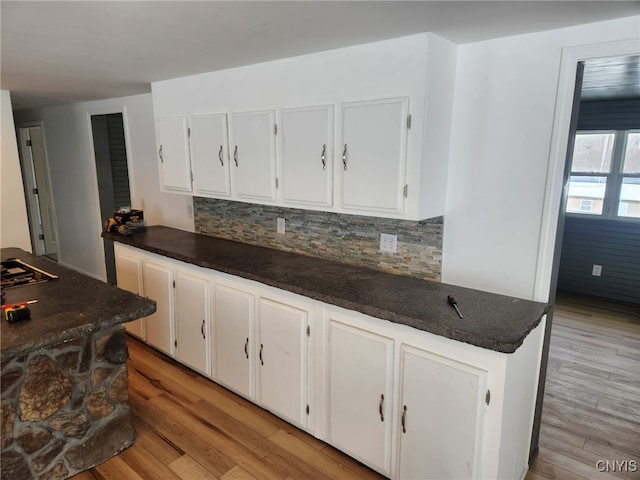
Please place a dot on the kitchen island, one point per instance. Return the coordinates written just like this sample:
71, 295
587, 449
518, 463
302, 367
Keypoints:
64, 377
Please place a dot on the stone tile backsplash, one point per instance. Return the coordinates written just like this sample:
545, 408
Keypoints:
352, 239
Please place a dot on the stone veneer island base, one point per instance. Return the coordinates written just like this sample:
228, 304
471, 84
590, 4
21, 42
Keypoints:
64, 378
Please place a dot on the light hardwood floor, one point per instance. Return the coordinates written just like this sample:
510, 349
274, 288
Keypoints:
190, 428
591, 409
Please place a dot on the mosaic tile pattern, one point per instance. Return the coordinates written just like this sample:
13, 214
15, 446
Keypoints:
352, 239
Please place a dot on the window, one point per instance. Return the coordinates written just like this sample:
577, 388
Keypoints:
605, 174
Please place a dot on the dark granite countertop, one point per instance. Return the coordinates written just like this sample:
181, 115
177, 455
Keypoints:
67, 308
491, 321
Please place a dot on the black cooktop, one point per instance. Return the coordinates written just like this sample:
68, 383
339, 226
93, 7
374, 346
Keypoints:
15, 273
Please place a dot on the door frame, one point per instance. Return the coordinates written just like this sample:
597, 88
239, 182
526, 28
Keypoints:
550, 235
28, 177
106, 110
556, 191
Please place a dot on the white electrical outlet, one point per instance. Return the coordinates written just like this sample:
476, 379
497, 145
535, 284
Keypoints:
388, 243
596, 271
280, 225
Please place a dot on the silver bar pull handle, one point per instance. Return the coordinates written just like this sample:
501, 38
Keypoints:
246, 347
235, 155
323, 156
202, 329
381, 408
344, 157
160, 154
220, 156
261, 361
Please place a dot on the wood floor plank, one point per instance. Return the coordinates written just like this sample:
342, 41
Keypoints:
146, 465
159, 447
546, 469
237, 473
573, 465
187, 468
309, 455
116, 467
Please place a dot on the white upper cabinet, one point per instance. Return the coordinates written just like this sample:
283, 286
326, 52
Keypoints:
173, 153
355, 101
253, 155
373, 156
306, 154
210, 155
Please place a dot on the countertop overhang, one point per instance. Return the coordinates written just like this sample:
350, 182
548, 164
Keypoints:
66, 308
491, 321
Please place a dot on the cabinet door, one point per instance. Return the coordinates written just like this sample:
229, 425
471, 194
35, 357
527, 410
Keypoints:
374, 138
173, 152
307, 146
192, 321
210, 155
361, 366
252, 144
158, 286
129, 278
234, 314
441, 413
282, 360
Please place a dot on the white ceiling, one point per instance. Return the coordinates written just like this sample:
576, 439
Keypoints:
57, 52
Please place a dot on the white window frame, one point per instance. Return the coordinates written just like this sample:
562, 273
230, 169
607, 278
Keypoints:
614, 178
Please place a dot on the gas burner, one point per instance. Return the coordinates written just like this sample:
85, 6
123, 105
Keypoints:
15, 273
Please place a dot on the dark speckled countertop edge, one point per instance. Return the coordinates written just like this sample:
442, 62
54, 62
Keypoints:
178, 245
68, 308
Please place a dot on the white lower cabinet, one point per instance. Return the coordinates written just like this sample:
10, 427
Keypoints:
192, 320
282, 358
129, 278
233, 339
360, 394
157, 279
407, 403
441, 411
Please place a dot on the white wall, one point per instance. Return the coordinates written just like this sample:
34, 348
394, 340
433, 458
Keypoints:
67, 135
504, 102
14, 225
